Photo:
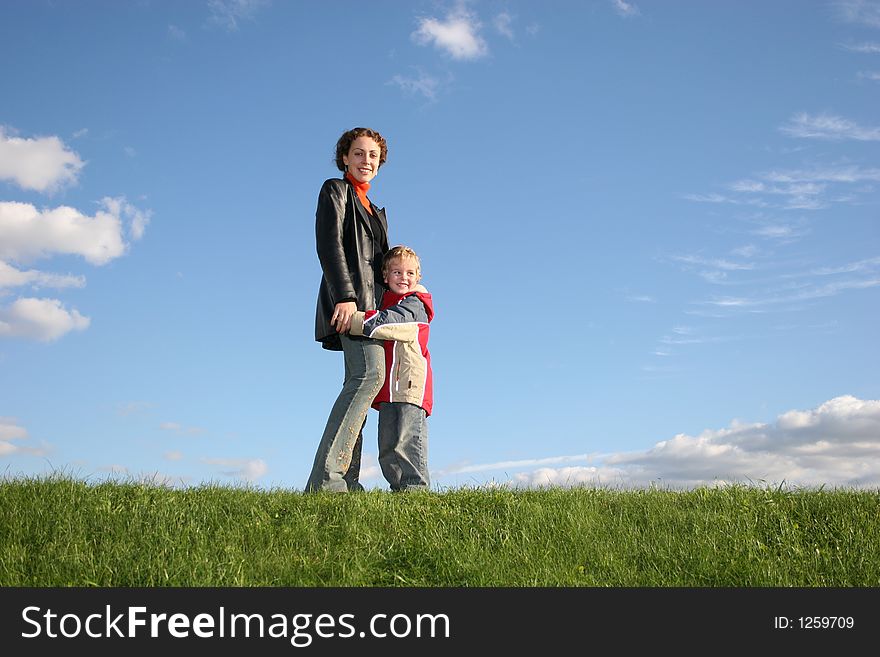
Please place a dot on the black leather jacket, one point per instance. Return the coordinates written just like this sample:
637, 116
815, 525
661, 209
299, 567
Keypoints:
350, 261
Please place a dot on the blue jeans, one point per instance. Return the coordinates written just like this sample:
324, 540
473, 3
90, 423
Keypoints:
403, 446
338, 459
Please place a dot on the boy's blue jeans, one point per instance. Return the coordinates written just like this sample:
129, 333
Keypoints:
338, 459
403, 446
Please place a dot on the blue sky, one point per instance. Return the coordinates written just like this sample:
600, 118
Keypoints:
650, 230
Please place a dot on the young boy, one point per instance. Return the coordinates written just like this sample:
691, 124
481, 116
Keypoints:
406, 399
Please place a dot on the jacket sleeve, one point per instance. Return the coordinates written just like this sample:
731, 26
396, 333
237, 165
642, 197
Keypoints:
399, 322
329, 220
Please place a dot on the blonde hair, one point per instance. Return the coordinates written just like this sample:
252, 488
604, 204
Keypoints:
400, 252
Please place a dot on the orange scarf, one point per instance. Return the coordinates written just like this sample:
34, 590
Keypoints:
361, 190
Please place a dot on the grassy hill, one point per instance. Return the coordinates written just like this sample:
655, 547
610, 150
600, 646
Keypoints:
59, 531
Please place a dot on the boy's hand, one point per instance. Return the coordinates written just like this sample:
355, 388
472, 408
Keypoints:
341, 317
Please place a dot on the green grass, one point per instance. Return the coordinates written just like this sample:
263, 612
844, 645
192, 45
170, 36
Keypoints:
60, 531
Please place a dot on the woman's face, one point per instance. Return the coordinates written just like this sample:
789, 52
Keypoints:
362, 160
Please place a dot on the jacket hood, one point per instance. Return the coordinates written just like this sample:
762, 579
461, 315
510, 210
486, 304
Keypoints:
390, 298
428, 301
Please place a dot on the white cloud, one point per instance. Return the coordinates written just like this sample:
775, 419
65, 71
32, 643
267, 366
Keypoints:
625, 9
458, 35
247, 469
39, 319
828, 126
27, 233
42, 164
836, 444
874, 76
9, 431
228, 14
12, 277
370, 468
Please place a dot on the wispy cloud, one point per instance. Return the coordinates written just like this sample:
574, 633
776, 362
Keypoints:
791, 295
43, 164
871, 48
863, 12
625, 9
422, 84
839, 174
868, 265
713, 270
503, 23
132, 408
11, 277
780, 231
678, 339
247, 469
229, 14
829, 127
835, 444
467, 468
793, 189
714, 263
458, 35
176, 33
179, 428
714, 197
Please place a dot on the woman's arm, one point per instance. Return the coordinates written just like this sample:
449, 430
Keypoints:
329, 220
399, 322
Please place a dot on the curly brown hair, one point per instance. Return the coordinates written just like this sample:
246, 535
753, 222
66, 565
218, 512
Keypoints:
345, 141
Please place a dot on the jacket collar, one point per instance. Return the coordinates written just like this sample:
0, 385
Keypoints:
363, 214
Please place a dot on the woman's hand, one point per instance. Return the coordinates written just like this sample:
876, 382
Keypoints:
341, 317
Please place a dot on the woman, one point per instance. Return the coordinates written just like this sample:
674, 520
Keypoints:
352, 236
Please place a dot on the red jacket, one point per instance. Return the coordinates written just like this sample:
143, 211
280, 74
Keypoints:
403, 321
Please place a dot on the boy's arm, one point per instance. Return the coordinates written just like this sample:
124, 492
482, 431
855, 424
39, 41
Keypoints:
399, 322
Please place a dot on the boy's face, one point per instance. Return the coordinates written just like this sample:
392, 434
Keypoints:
402, 275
